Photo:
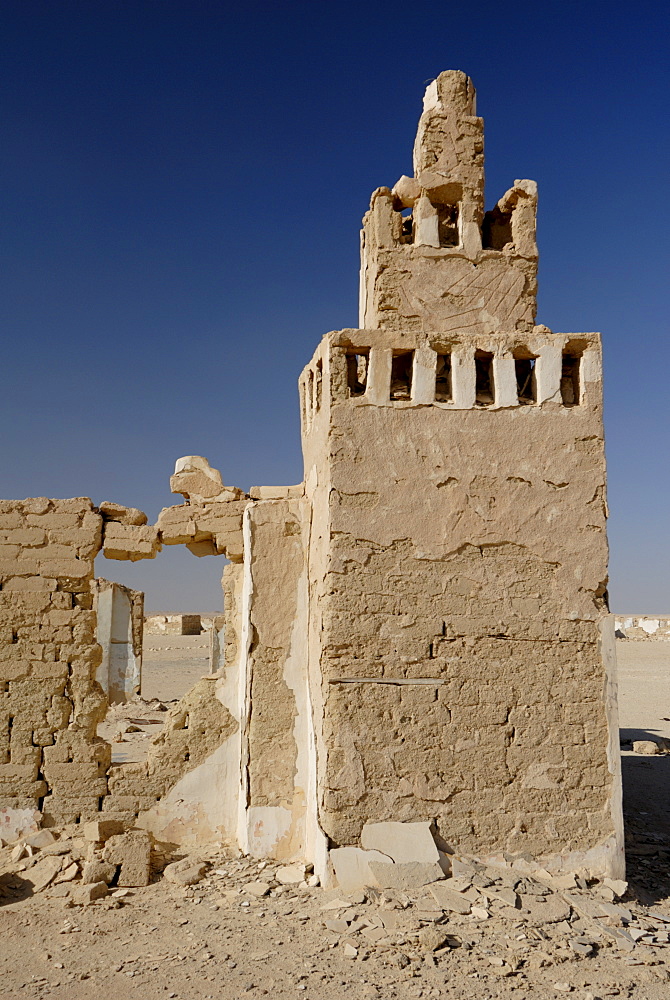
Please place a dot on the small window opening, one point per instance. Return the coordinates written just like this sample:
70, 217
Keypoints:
447, 223
526, 388
357, 371
309, 393
570, 380
443, 378
401, 374
407, 232
15, 637
484, 388
496, 229
319, 384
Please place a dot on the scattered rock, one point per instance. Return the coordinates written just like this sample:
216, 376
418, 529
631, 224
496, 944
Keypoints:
41, 874
257, 888
187, 872
449, 900
647, 747
290, 874
83, 894
352, 867
44, 838
432, 937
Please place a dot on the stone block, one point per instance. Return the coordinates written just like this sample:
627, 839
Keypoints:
195, 479
101, 830
124, 515
352, 867
403, 842
131, 850
98, 871
83, 894
408, 877
133, 542
185, 872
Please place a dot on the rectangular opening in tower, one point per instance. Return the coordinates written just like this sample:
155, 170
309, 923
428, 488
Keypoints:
526, 387
443, 379
570, 379
496, 229
407, 226
319, 385
357, 370
484, 387
402, 364
447, 225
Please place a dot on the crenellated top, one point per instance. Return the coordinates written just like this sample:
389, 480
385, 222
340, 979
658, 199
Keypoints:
431, 259
543, 372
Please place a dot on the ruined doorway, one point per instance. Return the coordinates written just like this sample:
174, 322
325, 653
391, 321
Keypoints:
179, 639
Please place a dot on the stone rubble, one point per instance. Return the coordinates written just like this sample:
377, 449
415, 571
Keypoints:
516, 920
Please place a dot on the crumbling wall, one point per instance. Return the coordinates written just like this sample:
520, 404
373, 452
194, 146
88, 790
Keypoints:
273, 676
459, 639
51, 702
175, 624
51, 699
193, 730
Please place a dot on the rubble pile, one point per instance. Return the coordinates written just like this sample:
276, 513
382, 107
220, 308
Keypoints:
506, 922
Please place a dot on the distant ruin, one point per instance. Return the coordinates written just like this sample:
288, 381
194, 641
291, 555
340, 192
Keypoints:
418, 631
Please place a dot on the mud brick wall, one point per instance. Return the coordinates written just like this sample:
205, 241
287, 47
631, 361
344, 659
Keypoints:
50, 702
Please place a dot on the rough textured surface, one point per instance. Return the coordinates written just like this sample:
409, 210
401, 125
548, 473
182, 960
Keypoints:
193, 730
458, 566
49, 700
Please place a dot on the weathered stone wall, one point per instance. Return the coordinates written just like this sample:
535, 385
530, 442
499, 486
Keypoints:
51, 699
275, 747
454, 458
51, 703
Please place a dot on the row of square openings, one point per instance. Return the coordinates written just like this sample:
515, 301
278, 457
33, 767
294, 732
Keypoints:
496, 227
402, 374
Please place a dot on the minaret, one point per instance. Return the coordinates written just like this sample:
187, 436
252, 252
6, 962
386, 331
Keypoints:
461, 663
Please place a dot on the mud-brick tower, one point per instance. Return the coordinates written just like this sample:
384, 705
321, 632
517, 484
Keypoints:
460, 651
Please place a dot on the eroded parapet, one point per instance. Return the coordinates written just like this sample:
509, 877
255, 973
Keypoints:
431, 258
536, 372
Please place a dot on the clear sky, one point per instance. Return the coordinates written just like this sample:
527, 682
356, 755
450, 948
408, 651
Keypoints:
182, 183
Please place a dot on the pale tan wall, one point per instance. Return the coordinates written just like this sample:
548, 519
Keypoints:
465, 557
51, 704
275, 745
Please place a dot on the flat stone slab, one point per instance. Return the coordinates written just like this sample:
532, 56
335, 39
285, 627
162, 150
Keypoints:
449, 899
403, 842
409, 877
352, 866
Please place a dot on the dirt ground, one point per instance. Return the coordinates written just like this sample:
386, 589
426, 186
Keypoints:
218, 939
171, 664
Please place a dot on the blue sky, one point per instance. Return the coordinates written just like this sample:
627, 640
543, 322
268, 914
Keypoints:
182, 187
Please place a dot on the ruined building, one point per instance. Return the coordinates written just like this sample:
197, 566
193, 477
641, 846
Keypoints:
420, 630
